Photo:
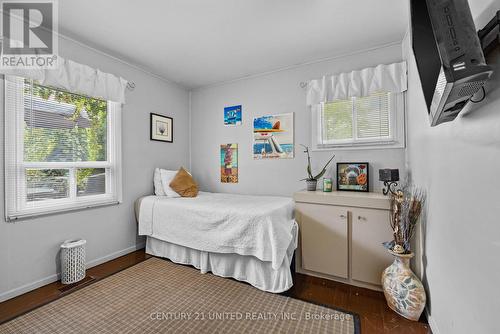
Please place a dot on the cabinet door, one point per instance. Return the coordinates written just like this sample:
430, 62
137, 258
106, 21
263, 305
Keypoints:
370, 227
324, 243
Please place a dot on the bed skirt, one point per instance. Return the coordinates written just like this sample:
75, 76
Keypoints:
248, 269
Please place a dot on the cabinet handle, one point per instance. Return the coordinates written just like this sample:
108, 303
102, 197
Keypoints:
361, 218
343, 216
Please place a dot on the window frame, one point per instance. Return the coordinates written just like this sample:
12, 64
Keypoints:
16, 204
397, 138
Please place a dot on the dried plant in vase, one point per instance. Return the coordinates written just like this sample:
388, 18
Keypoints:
406, 207
312, 180
403, 290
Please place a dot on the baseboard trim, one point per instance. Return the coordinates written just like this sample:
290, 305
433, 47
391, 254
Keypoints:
28, 287
54, 277
431, 322
114, 255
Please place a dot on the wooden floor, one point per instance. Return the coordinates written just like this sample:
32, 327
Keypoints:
375, 316
33, 299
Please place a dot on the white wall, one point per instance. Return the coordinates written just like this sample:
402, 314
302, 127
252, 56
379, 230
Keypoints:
29, 248
457, 164
275, 93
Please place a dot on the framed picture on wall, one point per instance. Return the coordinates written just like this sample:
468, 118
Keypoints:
229, 163
162, 128
353, 176
232, 115
273, 137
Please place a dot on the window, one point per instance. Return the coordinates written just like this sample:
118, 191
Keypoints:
375, 121
62, 150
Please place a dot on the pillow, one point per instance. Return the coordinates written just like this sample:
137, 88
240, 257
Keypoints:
166, 177
184, 184
157, 183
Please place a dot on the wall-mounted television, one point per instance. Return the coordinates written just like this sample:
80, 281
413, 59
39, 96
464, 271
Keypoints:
490, 34
449, 57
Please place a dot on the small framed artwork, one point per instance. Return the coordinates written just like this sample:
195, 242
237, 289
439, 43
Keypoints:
162, 128
353, 176
229, 163
232, 115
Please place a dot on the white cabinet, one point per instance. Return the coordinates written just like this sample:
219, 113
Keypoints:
341, 235
324, 239
370, 228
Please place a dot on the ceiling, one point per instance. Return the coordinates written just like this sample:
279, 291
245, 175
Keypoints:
201, 42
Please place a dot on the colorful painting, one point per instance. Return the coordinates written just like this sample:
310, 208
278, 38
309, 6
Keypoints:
273, 137
353, 176
229, 163
232, 116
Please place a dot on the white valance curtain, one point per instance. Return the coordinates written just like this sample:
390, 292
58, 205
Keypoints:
77, 78
389, 78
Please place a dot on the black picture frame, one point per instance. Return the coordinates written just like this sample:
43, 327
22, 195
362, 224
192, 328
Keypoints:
339, 185
156, 137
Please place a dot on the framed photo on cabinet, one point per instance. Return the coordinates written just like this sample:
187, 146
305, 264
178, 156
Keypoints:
353, 176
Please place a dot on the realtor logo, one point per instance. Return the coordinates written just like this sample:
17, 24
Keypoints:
29, 34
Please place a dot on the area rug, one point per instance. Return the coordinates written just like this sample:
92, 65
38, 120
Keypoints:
158, 296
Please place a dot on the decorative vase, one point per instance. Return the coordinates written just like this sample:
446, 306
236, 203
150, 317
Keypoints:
403, 290
311, 185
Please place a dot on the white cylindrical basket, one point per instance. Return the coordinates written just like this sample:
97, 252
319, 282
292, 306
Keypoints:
72, 261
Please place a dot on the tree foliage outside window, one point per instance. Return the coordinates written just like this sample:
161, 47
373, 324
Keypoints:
71, 143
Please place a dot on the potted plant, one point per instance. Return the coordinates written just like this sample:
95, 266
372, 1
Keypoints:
403, 290
311, 180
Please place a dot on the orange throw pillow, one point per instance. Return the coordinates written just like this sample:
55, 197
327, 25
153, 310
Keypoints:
184, 184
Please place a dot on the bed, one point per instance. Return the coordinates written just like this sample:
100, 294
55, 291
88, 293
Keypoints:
248, 238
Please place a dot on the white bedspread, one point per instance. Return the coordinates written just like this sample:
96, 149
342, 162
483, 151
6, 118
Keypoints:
260, 226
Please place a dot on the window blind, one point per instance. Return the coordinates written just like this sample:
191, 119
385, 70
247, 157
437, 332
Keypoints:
337, 121
372, 116
358, 120
62, 150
